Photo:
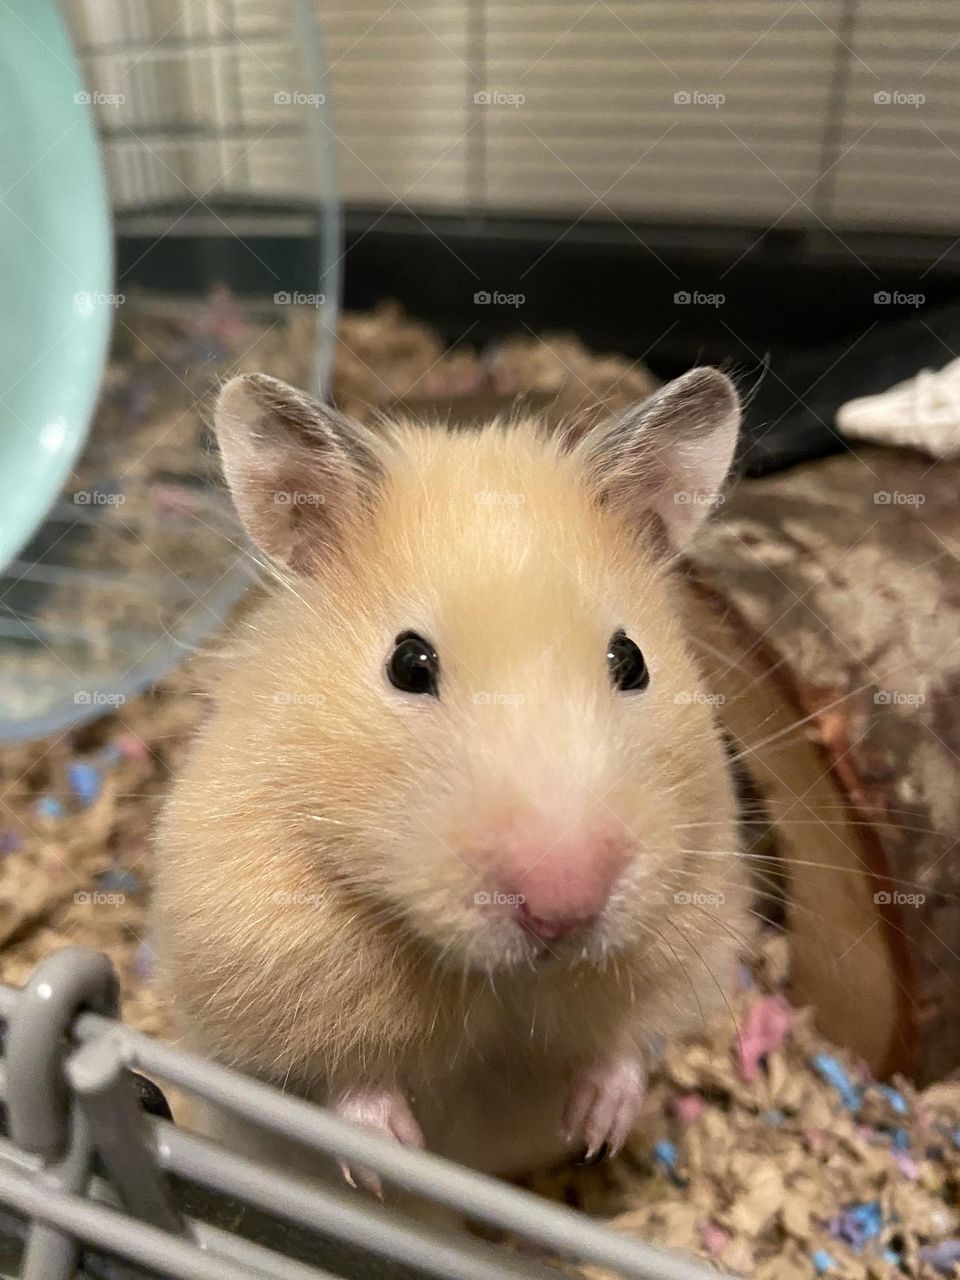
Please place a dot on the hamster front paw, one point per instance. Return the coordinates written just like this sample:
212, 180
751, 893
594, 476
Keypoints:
388, 1112
604, 1104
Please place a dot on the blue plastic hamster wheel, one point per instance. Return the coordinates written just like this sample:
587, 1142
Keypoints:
167, 217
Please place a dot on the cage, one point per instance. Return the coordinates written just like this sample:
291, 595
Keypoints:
215, 198
98, 1182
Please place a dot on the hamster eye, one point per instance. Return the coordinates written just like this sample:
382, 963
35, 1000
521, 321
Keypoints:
414, 667
628, 670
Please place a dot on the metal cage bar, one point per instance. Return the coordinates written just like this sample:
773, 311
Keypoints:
84, 1166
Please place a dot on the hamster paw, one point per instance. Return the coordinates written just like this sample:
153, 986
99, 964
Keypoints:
604, 1104
388, 1112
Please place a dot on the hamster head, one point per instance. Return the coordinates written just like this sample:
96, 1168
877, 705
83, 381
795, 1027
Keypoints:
470, 699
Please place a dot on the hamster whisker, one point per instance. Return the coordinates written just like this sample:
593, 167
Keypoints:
619, 978
839, 807
691, 873
712, 976
488, 973
754, 747
755, 892
660, 941
749, 948
862, 822
686, 972
464, 1039
735, 664
790, 862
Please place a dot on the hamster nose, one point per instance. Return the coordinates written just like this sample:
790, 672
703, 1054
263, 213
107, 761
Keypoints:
562, 887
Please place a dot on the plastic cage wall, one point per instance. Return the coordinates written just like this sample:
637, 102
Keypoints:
212, 120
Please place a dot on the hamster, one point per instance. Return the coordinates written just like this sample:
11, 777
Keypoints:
456, 848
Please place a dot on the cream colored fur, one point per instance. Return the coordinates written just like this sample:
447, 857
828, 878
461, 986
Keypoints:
319, 857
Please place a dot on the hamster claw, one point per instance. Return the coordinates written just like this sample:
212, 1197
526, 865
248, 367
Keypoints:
365, 1179
587, 1159
604, 1105
387, 1112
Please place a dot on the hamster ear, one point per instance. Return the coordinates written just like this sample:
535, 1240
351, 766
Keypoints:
295, 468
669, 455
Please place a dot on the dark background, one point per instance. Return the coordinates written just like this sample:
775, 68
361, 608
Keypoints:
799, 324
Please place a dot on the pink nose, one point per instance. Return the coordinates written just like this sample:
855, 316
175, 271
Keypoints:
562, 887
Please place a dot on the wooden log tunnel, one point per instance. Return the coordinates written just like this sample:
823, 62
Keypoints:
827, 613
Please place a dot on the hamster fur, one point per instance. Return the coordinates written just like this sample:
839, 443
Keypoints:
342, 864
